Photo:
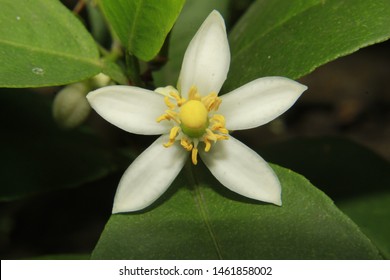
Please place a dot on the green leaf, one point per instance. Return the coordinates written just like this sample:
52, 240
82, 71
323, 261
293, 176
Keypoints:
191, 18
114, 71
372, 214
339, 167
142, 25
356, 178
42, 43
37, 156
206, 221
63, 257
292, 38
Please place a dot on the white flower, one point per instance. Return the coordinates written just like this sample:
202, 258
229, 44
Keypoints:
193, 119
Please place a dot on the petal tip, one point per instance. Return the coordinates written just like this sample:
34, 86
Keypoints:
278, 202
119, 208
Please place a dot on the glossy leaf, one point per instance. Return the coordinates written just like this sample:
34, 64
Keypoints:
372, 214
204, 220
292, 38
142, 25
190, 19
63, 257
42, 43
37, 156
339, 167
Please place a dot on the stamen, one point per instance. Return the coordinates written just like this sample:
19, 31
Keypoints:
210, 135
192, 120
212, 101
221, 137
172, 136
173, 116
186, 144
194, 155
169, 115
164, 117
218, 119
207, 143
193, 94
169, 104
179, 100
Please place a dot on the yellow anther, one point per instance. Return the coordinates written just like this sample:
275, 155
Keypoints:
169, 115
164, 117
173, 115
178, 99
218, 119
193, 94
210, 135
173, 133
186, 144
223, 130
221, 137
211, 101
207, 143
192, 121
169, 104
194, 156
172, 136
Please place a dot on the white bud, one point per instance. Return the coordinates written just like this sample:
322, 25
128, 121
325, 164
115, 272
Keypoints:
70, 106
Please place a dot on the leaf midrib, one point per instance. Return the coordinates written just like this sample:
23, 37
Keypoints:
133, 27
54, 53
200, 202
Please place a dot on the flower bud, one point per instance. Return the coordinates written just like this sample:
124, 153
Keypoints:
70, 106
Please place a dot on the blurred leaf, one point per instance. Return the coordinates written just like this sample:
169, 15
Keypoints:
191, 18
292, 38
372, 214
114, 71
206, 221
142, 25
64, 257
37, 156
340, 167
42, 43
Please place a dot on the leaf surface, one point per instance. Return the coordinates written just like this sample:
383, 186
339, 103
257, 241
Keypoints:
206, 221
37, 156
42, 44
142, 25
292, 38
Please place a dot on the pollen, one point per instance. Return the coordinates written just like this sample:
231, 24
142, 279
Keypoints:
194, 120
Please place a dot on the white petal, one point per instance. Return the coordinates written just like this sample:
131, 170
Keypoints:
130, 108
207, 58
149, 176
259, 102
242, 170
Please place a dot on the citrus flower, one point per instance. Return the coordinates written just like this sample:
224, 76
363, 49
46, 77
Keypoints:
195, 122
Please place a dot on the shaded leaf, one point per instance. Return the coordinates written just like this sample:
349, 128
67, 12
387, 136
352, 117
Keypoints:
142, 25
372, 215
37, 156
206, 221
114, 71
64, 257
292, 38
42, 43
340, 167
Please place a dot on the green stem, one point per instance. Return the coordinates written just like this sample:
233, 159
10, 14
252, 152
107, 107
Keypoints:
133, 70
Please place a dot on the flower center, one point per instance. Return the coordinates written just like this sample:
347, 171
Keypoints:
194, 120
